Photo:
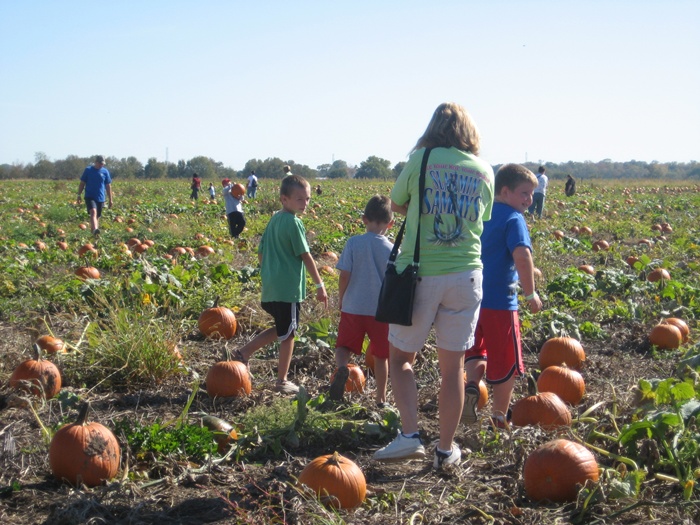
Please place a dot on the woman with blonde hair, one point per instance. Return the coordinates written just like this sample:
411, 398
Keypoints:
448, 219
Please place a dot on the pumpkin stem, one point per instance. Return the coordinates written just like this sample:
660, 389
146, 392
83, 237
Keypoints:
216, 301
82, 415
37, 352
334, 459
531, 385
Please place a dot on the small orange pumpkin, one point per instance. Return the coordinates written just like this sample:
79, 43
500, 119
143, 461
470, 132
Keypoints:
83, 452
545, 409
337, 480
587, 268
666, 336
87, 272
558, 350
51, 344
681, 325
658, 274
356, 379
555, 470
568, 384
217, 322
228, 379
41, 377
483, 393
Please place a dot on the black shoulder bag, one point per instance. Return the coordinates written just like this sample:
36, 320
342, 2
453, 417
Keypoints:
398, 290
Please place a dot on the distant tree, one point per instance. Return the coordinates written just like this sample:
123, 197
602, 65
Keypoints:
155, 169
13, 171
398, 169
71, 167
374, 168
205, 167
338, 170
43, 169
273, 168
322, 170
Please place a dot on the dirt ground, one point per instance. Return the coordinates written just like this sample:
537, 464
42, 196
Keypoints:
486, 488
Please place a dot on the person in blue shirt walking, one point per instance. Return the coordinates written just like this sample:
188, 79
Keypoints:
97, 183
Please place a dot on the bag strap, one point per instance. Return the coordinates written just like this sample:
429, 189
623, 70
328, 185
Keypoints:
399, 237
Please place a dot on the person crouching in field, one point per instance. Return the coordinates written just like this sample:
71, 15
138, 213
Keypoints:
234, 209
506, 252
362, 265
284, 260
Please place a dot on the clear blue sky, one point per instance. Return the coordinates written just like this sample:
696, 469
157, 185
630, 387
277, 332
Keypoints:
314, 81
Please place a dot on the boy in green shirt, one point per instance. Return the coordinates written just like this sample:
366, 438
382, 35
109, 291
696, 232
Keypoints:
284, 260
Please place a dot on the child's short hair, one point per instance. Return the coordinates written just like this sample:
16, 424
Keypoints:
541, 169
512, 175
292, 182
378, 210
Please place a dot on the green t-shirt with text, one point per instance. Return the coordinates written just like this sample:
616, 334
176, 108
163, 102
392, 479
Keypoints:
458, 198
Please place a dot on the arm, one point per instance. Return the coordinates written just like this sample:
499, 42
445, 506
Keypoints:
310, 264
342, 286
400, 209
526, 271
81, 187
108, 189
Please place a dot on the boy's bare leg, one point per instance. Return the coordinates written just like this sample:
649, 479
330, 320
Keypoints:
381, 375
502, 393
264, 338
286, 349
342, 356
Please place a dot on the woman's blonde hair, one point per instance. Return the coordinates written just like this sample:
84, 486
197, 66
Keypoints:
451, 126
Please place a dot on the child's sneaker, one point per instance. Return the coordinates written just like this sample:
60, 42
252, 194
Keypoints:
338, 384
286, 387
445, 458
401, 448
471, 400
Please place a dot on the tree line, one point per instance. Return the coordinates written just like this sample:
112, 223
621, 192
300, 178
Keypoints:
374, 167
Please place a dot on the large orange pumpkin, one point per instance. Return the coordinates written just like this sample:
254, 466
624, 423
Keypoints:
568, 384
217, 322
337, 480
228, 379
558, 350
681, 325
666, 336
555, 470
40, 377
83, 452
545, 409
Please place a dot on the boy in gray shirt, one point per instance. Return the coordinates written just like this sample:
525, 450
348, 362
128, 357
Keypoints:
362, 265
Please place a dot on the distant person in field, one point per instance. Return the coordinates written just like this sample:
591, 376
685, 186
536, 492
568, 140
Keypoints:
570, 186
318, 189
212, 191
287, 170
195, 186
284, 260
252, 186
537, 206
506, 252
234, 208
362, 265
97, 183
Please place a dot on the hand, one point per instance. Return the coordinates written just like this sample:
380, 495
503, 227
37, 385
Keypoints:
322, 296
535, 304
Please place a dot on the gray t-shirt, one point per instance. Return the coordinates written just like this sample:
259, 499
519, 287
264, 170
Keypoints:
365, 257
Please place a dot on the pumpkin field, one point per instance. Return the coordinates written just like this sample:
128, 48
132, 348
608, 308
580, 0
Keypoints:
120, 401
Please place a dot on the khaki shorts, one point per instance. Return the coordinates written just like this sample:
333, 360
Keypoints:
450, 303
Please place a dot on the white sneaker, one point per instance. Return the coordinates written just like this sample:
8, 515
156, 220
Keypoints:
442, 459
401, 448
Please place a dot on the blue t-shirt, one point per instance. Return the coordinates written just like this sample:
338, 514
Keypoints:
95, 181
365, 257
506, 231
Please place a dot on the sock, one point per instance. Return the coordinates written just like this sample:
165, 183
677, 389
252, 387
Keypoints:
413, 435
444, 453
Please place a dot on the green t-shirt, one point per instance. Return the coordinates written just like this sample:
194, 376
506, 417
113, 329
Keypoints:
458, 198
282, 270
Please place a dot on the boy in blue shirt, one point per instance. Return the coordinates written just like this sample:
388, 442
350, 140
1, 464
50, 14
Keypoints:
362, 265
506, 252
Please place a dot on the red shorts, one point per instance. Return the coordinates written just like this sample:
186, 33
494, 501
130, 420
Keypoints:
352, 330
497, 340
